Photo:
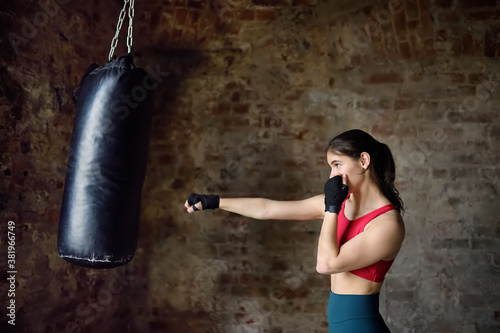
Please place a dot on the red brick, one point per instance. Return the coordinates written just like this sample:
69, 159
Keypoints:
402, 104
476, 78
385, 78
444, 3
395, 6
412, 10
405, 50
181, 16
383, 16
249, 291
484, 15
165, 159
304, 2
235, 97
231, 85
456, 47
241, 108
400, 29
413, 27
190, 37
448, 17
271, 3
167, 16
427, 25
175, 3
314, 308
382, 130
251, 95
369, 105
223, 108
194, 17
295, 67
417, 48
294, 95
367, 10
195, 4
374, 33
176, 37
467, 90
265, 15
440, 173
490, 43
429, 109
359, 90
478, 3
211, 158
247, 15
405, 131
273, 174
355, 60
391, 47
471, 46
154, 20
249, 278
278, 265
457, 78
377, 53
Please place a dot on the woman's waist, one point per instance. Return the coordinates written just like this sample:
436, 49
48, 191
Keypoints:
348, 283
344, 307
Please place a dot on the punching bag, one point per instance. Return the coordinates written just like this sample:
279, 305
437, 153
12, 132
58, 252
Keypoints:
100, 210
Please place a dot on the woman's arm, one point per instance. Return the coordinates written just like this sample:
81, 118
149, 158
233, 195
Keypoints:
383, 239
266, 209
328, 247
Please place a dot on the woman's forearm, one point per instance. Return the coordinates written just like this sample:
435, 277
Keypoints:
328, 248
250, 207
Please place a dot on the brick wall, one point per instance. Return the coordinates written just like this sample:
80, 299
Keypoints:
257, 88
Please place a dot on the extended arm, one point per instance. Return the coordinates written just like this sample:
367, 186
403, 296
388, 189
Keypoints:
266, 209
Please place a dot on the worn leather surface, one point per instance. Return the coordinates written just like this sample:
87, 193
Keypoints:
100, 210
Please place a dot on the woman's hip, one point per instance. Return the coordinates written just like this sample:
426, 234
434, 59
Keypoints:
355, 313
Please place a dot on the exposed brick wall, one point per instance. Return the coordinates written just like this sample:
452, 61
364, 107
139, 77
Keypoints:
257, 89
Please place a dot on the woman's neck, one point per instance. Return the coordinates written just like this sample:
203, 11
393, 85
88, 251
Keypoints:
367, 197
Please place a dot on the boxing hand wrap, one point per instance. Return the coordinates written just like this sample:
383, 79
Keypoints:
335, 194
208, 201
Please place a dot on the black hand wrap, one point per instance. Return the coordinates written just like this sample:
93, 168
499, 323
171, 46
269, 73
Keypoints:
335, 194
208, 201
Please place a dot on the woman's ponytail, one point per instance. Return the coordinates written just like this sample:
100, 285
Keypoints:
385, 173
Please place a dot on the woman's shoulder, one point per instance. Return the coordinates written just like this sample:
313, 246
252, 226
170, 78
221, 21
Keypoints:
391, 219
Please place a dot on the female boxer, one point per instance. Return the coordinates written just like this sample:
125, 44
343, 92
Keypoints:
362, 228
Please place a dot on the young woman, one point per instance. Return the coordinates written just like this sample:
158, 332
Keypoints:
362, 228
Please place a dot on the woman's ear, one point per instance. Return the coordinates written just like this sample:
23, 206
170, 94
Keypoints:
364, 159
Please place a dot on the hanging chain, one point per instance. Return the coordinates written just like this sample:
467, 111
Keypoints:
123, 12
131, 12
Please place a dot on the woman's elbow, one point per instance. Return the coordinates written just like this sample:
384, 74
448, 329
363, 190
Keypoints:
325, 268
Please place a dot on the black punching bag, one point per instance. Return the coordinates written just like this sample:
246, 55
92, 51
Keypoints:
99, 218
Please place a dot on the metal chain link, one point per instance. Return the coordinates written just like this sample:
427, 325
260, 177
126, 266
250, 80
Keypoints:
123, 12
131, 12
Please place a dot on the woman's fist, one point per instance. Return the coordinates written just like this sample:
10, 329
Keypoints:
336, 191
201, 201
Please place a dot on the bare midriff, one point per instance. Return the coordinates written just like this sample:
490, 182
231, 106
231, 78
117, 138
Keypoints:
348, 283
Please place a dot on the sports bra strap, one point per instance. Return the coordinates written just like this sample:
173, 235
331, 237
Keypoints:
377, 212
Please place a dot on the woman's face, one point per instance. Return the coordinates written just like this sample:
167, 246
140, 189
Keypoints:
342, 164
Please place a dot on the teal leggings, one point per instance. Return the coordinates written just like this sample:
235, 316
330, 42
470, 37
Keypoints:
355, 314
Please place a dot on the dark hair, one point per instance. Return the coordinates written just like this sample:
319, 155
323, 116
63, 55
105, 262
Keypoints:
382, 168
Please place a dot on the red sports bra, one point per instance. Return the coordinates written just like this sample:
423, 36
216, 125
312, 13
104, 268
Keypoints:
347, 229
